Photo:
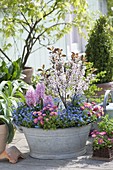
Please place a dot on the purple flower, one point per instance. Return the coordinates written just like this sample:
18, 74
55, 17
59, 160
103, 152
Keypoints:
100, 141
48, 100
40, 91
30, 97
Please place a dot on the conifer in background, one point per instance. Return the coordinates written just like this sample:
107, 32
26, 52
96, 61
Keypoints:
99, 49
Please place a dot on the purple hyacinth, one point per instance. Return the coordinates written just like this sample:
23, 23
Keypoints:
48, 100
30, 97
40, 91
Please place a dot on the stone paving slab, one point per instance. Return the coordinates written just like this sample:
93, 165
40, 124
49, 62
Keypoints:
83, 162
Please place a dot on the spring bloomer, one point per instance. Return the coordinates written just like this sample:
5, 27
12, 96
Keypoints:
43, 113
59, 101
40, 91
31, 97
103, 137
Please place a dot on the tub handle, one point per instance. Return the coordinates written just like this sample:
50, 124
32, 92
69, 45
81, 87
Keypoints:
107, 93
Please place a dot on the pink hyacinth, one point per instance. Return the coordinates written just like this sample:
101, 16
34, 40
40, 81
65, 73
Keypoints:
30, 97
40, 91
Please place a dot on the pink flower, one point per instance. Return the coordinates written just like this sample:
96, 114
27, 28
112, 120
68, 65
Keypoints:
87, 105
96, 108
102, 112
93, 103
47, 119
89, 114
35, 120
94, 135
40, 118
102, 133
45, 108
55, 107
39, 113
98, 115
82, 107
110, 139
42, 122
53, 114
30, 97
40, 91
51, 109
100, 141
34, 113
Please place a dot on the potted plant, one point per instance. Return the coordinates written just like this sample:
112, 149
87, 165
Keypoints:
57, 117
10, 92
103, 140
10, 70
99, 51
30, 19
6, 132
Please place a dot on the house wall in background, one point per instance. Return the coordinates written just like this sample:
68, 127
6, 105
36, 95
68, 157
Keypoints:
76, 43
37, 58
69, 43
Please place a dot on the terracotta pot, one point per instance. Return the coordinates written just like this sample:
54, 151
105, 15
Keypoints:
28, 72
104, 86
3, 137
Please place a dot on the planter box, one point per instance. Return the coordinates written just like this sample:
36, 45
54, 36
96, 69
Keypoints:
103, 154
57, 144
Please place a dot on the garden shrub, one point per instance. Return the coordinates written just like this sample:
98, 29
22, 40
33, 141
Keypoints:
99, 49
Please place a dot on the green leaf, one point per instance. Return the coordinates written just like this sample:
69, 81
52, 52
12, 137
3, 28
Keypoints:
10, 128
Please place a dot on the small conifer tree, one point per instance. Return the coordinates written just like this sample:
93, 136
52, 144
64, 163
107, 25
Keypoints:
99, 49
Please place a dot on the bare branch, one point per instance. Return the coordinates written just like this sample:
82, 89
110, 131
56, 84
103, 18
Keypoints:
37, 38
49, 1
5, 54
36, 49
26, 21
24, 27
27, 45
63, 100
